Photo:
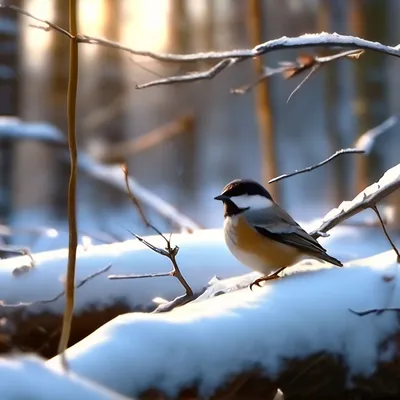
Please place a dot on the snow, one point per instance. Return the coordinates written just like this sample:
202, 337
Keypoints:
28, 377
202, 256
206, 343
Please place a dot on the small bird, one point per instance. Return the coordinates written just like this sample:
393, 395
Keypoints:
261, 234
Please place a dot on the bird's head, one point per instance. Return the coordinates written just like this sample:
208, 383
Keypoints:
244, 194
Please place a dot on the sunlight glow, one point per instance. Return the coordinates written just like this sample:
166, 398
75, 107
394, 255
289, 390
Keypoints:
36, 42
145, 24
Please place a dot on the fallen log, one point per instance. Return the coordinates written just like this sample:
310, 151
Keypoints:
300, 334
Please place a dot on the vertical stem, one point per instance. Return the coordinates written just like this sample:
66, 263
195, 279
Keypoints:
264, 117
73, 236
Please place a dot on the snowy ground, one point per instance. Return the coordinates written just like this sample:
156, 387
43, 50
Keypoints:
204, 344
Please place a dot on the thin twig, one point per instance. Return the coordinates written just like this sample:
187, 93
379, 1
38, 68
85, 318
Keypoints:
363, 145
58, 296
192, 76
43, 21
320, 164
72, 224
291, 69
374, 311
375, 208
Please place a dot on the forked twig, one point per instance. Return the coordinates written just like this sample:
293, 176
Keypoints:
169, 251
302, 64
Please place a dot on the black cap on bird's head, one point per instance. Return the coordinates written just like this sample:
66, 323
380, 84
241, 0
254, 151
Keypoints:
243, 194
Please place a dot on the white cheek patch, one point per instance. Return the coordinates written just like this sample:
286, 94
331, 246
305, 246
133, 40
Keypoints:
253, 202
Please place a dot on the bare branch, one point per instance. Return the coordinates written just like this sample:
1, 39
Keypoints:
193, 76
389, 278
58, 296
375, 208
320, 164
363, 145
169, 251
47, 23
135, 201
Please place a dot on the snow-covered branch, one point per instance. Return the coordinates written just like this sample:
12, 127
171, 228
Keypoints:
368, 198
225, 58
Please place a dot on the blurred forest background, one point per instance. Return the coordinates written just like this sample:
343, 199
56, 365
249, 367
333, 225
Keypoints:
220, 138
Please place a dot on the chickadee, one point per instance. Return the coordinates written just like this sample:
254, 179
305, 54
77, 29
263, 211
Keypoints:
261, 234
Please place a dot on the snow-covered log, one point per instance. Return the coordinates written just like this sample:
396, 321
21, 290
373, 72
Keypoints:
28, 377
297, 333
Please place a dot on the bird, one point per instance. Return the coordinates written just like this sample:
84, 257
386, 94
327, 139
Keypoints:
261, 234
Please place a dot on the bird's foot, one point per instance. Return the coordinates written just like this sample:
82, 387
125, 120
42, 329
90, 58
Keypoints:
270, 277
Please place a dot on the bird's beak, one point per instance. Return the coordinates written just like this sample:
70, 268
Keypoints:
221, 197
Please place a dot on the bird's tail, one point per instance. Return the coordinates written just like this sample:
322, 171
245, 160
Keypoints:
326, 257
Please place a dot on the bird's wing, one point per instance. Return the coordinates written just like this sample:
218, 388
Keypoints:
278, 225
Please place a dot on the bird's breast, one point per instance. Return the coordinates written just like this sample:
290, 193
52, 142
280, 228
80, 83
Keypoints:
255, 250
